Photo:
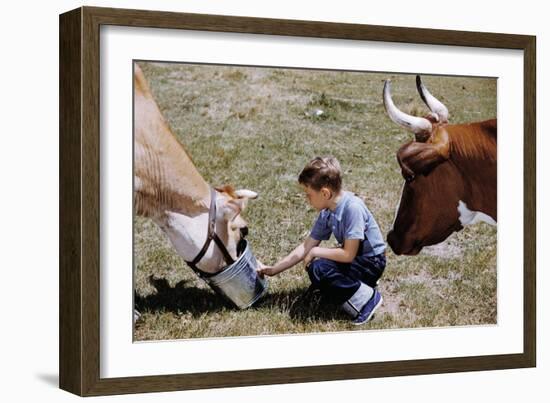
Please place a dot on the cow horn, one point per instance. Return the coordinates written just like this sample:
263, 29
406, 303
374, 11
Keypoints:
440, 110
415, 124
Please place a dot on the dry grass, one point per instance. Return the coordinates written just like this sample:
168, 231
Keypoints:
253, 128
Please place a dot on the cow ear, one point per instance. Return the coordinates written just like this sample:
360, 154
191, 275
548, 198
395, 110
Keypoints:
420, 158
233, 207
246, 194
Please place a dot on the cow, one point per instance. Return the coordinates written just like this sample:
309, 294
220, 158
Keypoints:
169, 190
450, 173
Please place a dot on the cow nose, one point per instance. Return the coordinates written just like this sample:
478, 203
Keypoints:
402, 244
391, 240
394, 243
244, 232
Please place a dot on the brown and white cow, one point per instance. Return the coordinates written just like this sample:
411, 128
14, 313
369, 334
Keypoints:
450, 174
169, 189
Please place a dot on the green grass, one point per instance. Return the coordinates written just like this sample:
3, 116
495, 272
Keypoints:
252, 128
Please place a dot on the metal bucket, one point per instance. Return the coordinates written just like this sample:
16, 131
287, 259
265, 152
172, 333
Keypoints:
239, 282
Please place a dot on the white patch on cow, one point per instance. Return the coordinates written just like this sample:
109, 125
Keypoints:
187, 235
469, 217
398, 205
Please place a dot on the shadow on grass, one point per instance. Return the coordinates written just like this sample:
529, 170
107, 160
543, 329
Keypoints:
303, 305
179, 299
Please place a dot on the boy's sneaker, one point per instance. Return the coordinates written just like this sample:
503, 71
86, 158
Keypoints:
368, 310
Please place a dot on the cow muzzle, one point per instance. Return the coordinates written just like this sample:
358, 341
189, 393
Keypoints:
402, 246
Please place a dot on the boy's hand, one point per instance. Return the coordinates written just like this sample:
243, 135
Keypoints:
309, 257
264, 270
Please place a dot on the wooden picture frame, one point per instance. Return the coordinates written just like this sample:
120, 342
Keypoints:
80, 199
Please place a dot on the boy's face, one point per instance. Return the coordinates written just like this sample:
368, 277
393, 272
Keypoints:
318, 199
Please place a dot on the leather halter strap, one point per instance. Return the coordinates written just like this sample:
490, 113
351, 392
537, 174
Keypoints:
211, 235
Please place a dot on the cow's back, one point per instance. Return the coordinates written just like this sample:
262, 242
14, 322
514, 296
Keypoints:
165, 177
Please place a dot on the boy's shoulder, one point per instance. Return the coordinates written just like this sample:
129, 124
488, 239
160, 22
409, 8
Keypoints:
355, 205
355, 201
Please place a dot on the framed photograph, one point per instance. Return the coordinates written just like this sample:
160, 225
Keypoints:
249, 201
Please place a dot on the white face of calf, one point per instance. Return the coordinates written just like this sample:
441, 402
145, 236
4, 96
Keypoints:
188, 234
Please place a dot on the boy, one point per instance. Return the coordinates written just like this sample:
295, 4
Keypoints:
348, 274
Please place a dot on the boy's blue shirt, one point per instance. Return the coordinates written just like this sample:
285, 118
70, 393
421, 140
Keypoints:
350, 220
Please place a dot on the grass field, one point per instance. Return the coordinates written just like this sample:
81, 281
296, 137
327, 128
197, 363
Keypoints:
254, 128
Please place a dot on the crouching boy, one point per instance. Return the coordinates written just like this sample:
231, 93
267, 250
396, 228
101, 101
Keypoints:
348, 274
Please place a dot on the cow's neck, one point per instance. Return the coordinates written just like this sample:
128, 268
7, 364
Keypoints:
188, 235
474, 154
167, 183
479, 176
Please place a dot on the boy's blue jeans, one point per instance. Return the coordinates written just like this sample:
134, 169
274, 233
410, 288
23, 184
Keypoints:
339, 281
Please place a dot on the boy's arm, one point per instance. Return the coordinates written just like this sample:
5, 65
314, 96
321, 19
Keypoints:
345, 254
294, 257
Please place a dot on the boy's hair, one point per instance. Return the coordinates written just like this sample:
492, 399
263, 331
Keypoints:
322, 172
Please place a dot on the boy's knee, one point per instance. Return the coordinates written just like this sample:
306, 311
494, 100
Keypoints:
314, 264
312, 272
320, 269
318, 265
316, 269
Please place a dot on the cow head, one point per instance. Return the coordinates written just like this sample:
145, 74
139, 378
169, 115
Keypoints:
188, 233
231, 203
427, 212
